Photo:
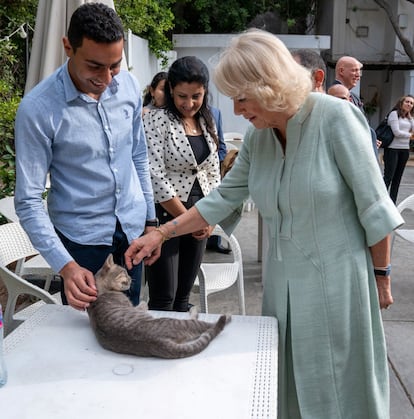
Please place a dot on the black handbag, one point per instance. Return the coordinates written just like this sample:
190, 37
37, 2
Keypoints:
384, 133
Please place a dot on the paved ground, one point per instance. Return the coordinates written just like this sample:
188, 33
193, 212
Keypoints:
398, 319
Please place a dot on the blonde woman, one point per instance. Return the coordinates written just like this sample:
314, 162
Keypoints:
308, 165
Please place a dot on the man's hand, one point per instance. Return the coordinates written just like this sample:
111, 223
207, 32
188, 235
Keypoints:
79, 283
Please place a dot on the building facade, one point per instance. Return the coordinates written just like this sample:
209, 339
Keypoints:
360, 28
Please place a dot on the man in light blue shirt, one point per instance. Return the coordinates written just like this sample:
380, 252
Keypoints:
83, 126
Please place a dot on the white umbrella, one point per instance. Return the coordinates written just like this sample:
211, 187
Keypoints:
52, 21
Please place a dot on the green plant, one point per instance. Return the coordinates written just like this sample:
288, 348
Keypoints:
8, 110
371, 107
10, 97
151, 20
12, 80
217, 16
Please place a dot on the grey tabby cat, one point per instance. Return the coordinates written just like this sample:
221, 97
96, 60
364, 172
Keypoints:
123, 328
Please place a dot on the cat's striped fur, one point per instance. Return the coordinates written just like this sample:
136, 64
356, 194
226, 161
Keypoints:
123, 328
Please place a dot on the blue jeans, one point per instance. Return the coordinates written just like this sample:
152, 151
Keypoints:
93, 257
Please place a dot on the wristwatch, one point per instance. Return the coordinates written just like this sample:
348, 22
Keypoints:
155, 222
383, 272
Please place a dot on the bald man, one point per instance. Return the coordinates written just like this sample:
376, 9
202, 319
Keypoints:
348, 71
339, 91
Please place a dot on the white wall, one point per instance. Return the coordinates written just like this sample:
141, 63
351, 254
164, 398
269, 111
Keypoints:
141, 62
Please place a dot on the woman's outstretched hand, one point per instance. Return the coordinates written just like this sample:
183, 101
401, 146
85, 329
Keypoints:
146, 247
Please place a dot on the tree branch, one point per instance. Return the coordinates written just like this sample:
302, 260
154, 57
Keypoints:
404, 41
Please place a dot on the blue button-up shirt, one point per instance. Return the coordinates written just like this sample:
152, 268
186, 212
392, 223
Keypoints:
96, 154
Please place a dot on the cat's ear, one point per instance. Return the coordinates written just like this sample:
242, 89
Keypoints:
109, 260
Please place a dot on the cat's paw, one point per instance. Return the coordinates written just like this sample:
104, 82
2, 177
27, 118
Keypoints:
193, 312
228, 318
142, 306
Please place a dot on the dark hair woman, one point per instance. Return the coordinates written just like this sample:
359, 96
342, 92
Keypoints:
401, 121
182, 144
154, 93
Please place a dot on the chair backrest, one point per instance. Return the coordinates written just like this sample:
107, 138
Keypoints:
234, 245
218, 276
233, 136
233, 140
7, 209
407, 203
15, 245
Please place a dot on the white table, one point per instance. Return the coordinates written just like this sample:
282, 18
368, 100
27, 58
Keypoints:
58, 370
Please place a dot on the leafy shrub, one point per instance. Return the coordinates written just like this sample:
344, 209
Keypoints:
9, 101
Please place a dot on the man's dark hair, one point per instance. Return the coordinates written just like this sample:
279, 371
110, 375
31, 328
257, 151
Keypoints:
310, 59
94, 21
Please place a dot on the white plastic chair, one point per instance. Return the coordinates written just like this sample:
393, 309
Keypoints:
15, 245
216, 277
7, 209
36, 266
233, 136
233, 140
404, 233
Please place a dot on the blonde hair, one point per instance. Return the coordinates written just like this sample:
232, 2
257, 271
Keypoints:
259, 66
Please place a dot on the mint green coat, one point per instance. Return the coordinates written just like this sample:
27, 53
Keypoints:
324, 203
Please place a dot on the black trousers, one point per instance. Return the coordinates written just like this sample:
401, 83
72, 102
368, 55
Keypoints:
395, 161
171, 278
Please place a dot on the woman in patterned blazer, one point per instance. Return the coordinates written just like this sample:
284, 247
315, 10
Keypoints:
183, 155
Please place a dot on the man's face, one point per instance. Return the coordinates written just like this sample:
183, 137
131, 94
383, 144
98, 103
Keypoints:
93, 65
351, 73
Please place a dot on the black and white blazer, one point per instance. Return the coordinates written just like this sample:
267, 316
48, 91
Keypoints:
173, 166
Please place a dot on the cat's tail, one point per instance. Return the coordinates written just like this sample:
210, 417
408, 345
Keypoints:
206, 337
221, 322
195, 346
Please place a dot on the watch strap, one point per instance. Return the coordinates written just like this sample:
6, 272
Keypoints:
152, 223
383, 271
